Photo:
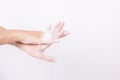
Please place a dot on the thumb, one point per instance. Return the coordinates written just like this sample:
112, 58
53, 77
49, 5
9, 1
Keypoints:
45, 57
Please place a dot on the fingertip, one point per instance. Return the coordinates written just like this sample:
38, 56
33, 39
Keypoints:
62, 22
66, 33
47, 58
52, 60
49, 27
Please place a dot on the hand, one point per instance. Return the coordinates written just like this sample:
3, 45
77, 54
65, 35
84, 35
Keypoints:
48, 38
34, 51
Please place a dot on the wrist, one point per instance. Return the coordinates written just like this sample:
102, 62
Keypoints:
16, 35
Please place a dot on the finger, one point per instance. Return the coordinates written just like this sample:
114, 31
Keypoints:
44, 47
58, 27
55, 27
46, 58
66, 33
62, 34
49, 28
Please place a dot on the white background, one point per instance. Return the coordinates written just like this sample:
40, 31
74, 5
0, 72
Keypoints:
91, 52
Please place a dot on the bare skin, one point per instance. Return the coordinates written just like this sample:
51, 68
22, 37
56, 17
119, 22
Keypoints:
31, 41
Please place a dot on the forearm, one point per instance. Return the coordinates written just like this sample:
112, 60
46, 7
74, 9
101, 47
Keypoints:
22, 36
8, 36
